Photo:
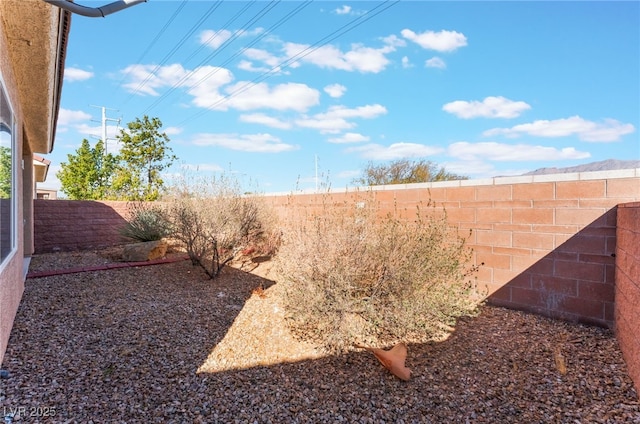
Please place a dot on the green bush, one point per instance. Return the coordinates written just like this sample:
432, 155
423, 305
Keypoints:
148, 222
352, 276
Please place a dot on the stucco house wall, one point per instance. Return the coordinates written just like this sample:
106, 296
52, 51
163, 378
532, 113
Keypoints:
11, 276
11, 282
33, 38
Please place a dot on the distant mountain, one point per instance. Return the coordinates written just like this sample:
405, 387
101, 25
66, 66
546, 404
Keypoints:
605, 165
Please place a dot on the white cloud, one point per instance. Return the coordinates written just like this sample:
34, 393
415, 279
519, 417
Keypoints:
359, 58
435, 62
608, 130
367, 59
490, 107
344, 10
366, 112
334, 120
211, 89
260, 143
475, 168
248, 96
248, 66
204, 84
481, 169
272, 63
94, 133
394, 151
76, 74
261, 118
325, 125
214, 39
264, 56
147, 79
173, 130
349, 138
406, 63
393, 40
67, 116
96, 130
335, 90
443, 41
511, 152
250, 33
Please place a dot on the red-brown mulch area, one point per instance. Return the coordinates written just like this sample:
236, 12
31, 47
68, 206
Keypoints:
165, 344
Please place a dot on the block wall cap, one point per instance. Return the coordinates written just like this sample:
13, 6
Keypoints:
515, 179
629, 205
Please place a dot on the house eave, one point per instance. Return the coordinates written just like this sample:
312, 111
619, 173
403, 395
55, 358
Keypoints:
36, 35
41, 168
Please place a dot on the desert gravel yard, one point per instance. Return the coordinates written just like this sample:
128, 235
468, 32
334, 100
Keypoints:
163, 344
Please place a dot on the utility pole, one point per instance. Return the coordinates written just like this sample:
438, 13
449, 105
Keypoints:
104, 125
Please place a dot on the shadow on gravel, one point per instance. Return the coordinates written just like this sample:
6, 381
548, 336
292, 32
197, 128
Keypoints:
125, 346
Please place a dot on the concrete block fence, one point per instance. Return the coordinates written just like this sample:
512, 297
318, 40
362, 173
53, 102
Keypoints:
546, 243
564, 246
69, 225
627, 298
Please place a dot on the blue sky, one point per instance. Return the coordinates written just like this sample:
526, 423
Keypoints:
273, 91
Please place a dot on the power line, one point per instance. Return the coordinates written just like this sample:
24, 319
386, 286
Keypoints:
162, 30
153, 42
175, 48
310, 49
225, 26
282, 20
264, 34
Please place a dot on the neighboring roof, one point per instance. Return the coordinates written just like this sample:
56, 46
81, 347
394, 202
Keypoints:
36, 34
41, 168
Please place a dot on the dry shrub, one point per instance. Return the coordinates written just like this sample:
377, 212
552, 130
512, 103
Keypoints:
352, 276
214, 220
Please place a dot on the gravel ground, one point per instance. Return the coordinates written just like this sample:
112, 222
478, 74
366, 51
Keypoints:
164, 344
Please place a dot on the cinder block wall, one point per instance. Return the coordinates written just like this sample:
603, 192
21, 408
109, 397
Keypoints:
68, 225
546, 243
627, 298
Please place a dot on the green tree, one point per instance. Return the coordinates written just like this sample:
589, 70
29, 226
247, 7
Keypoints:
87, 175
144, 154
5, 172
404, 171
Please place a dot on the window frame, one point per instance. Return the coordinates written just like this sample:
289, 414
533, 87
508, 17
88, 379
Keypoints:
14, 180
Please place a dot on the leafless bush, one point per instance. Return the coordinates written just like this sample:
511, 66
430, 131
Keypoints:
352, 276
214, 221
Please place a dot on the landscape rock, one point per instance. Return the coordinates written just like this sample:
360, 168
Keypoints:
144, 251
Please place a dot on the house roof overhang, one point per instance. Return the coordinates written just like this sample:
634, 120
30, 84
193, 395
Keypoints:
36, 34
41, 168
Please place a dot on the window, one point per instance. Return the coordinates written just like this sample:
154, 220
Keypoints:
7, 179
